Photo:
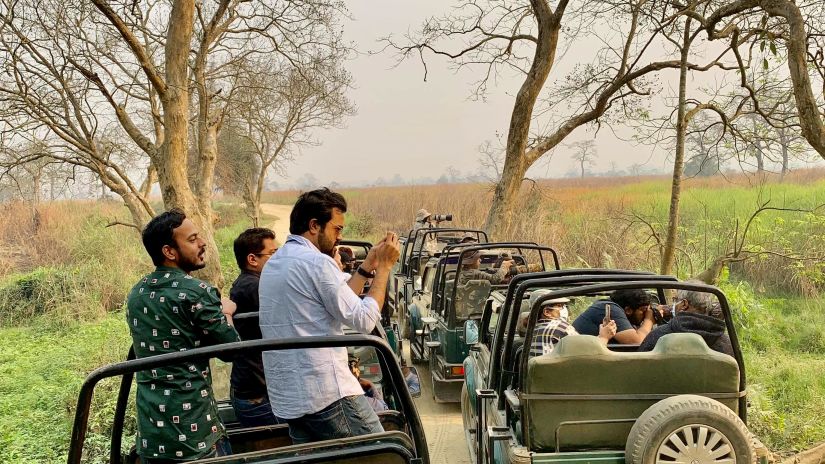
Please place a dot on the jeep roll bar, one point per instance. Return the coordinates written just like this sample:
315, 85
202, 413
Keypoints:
659, 284
128, 368
461, 251
520, 284
413, 236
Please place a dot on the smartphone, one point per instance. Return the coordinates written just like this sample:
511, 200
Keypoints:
606, 314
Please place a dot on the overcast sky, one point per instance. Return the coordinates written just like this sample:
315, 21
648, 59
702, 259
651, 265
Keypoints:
417, 129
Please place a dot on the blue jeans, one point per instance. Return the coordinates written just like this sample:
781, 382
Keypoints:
347, 417
254, 413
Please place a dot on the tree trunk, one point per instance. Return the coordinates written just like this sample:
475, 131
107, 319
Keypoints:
669, 250
783, 141
515, 163
760, 156
582, 166
171, 163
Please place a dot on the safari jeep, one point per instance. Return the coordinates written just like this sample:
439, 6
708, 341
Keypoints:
586, 402
406, 277
439, 339
402, 442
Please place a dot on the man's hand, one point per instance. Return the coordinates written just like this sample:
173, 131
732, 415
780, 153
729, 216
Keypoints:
607, 331
384, 254
228, 307
649, 314
507, 264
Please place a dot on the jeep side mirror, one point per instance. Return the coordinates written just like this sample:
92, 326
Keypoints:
413, 381
471, 332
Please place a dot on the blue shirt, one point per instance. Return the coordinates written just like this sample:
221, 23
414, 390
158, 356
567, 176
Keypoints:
303, 293
589, 321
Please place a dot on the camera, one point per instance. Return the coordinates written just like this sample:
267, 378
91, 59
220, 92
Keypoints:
442, 217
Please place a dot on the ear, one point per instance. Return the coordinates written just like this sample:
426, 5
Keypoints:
314, 227
170, 253
251, 260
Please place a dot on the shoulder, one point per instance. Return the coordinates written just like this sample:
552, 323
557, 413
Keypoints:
188, 287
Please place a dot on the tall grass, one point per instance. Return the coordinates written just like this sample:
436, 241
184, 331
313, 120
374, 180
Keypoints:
616, 222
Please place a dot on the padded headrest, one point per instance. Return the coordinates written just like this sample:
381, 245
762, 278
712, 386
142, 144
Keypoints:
682, 344
580, 345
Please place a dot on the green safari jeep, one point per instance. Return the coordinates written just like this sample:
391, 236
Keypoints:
439, 340
587, 402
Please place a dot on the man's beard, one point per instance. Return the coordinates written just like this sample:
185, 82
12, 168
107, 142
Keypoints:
325, 247
187, 265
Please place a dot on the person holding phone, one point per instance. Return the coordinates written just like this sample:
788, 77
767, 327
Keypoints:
553, 325
630, 310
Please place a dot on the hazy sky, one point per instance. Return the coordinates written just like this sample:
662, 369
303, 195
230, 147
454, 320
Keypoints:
417, 129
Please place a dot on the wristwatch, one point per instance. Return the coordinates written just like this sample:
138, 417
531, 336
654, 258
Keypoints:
363, 272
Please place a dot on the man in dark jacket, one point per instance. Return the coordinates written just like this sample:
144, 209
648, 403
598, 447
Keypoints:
249, 397
693, 315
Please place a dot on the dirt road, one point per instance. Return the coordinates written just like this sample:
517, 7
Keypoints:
281, 224
442, 422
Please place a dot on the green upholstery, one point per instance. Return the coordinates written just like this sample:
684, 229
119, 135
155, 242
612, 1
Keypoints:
581, 365
470, 298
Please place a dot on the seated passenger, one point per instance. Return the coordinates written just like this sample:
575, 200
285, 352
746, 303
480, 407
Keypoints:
469, 238
470, 270
373, 396
347, 259
629, 308
516, 269
553, 325
693, 315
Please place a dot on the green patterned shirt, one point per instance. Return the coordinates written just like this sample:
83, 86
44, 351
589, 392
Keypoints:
170, 311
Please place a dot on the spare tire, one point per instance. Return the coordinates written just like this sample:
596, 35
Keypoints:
692, 429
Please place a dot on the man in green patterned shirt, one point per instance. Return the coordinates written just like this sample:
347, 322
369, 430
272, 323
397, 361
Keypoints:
170, 311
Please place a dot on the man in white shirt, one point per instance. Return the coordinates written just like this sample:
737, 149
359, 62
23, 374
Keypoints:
304, 293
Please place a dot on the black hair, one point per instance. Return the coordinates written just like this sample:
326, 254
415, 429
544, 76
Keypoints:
630, 298
158, 233
315, 204
250, 241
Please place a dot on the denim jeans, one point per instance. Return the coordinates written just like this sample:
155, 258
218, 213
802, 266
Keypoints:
254, 413
220, 448
347, 417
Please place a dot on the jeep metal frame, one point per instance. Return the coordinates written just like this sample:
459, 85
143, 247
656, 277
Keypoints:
126, 370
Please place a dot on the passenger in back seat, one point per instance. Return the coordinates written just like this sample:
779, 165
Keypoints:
470, 270
553, 325
693, 315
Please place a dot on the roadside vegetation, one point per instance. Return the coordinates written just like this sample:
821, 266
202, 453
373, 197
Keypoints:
64, 276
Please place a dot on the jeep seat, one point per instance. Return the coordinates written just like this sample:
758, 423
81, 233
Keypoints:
470, 298
581, 380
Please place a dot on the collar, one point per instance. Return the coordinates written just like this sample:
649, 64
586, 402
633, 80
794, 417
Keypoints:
300, 240
169, 269
252, 273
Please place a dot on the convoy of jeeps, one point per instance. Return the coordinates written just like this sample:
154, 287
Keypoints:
583, 403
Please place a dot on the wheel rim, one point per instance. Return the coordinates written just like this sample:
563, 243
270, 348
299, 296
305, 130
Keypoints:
696, 444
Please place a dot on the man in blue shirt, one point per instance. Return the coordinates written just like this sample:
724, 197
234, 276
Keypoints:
304, 293
629, 308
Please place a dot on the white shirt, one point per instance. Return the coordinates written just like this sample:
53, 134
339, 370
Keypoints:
303, 293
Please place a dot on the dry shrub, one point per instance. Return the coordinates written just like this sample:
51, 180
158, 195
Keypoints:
62, 261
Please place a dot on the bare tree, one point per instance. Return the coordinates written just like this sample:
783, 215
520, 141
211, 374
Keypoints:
499, 33
797, 26
584, 153
114, 86
279, 111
